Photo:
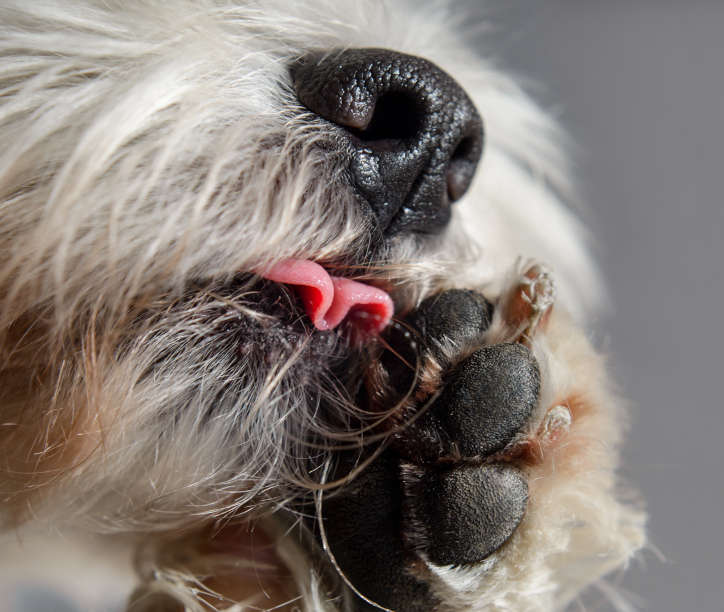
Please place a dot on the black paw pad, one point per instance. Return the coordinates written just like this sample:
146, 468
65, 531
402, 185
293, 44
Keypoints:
485, 401
488, 398
455, 317
364, 526
459, 316
463, 515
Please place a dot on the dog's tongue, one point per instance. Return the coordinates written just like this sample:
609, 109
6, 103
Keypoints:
329, 299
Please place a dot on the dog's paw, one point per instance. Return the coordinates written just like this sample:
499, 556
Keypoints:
446, 490
471, 399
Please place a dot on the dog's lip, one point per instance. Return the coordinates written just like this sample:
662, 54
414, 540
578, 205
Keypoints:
329, 300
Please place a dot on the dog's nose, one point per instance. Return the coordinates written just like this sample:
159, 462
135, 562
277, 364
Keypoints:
413, 135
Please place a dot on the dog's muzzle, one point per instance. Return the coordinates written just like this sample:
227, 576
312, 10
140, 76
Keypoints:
412, 135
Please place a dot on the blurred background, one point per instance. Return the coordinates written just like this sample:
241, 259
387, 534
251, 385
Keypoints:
640, 86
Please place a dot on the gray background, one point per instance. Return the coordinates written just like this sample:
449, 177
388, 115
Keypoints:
640, 85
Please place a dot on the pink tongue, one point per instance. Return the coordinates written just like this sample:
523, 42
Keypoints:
329, 299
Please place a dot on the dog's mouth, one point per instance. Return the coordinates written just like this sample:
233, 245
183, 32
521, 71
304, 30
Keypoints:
330, 300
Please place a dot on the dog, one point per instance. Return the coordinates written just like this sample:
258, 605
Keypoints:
293, 302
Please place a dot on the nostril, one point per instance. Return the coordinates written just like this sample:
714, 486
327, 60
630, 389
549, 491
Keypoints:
457, 180
464, 149
396, 116
461, 167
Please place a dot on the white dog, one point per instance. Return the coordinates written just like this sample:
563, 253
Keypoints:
258, 318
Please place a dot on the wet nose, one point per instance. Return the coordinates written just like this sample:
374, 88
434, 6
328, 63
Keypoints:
412, 134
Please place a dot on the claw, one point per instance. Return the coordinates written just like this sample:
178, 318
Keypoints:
530, 303
556, 423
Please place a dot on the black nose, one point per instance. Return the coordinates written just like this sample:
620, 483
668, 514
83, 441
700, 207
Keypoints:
413, 135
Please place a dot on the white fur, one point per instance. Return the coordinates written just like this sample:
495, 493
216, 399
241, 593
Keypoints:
149, 146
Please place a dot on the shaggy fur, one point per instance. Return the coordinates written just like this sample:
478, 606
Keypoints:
154, 159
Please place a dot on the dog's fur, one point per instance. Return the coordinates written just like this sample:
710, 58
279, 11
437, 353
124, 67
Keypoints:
154, 157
